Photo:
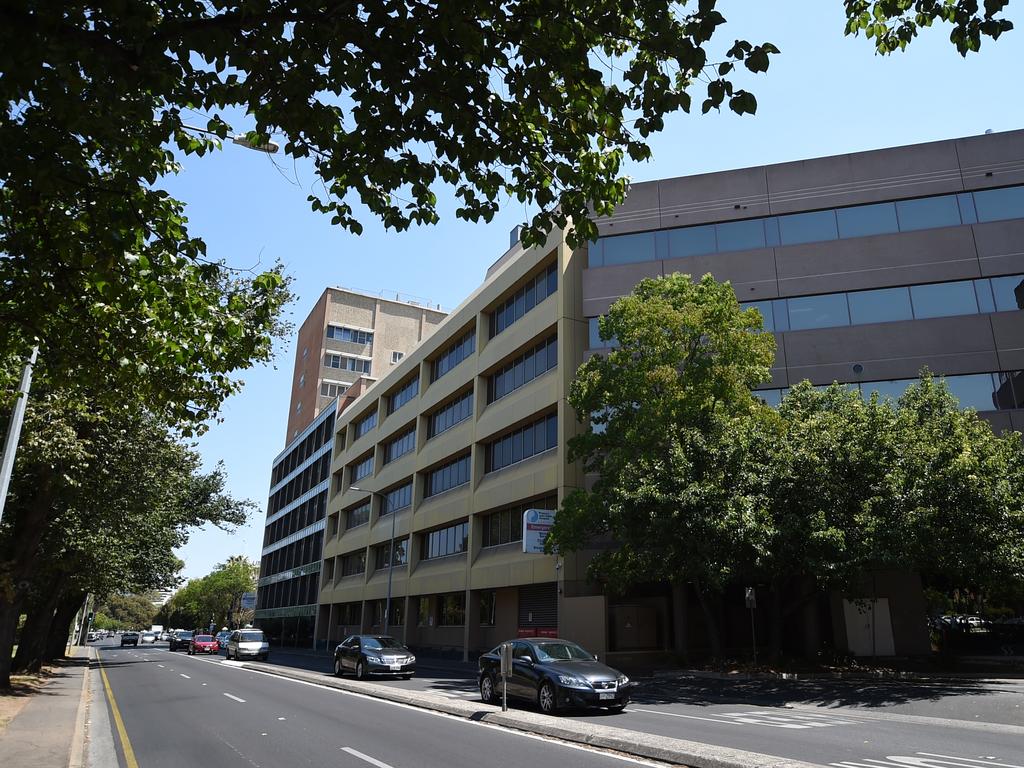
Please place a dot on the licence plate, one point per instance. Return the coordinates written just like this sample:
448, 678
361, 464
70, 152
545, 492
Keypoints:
395, 667
603, 696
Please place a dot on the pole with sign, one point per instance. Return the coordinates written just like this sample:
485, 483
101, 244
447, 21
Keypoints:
536, 525
751, 600
506, 671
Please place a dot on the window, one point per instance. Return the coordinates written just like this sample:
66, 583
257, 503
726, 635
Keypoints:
692, 241
628, 249
353, 563
444, 542
1008, 293
880, 306
423, 611
454, 355
523, 369
996, 204
928, 213
382, 554
447, 476
863, 220
596, 342
362, 468
451, 610
358, 516
488, 608
394, 619
408, 391
396, 357
740, 235
298, 407
506, 525
826, 311
341, 333
305, 352
808, 227
302, 381
540, 436
447, 417
400, 446
365, 424
332, 389
944, 299
397, 499
523, 300
346, 363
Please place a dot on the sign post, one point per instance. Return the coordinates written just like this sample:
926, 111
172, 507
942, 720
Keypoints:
506, 670
750, 598
536, 525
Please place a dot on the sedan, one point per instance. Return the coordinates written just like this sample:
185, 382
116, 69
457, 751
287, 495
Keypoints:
130, 638
554, 674
365, 655
147, 637
179, 640
203, 644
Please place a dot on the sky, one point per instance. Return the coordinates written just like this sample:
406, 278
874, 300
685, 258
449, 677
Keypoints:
825, 94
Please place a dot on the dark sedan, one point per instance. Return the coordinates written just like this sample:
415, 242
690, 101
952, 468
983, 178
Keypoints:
180, 640
130, 638
365, 655
555, 674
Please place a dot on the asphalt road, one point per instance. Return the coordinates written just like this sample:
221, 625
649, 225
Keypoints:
181, 710
968, 724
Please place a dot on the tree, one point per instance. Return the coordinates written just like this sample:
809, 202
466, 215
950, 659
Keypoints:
389, 100
130, 611
215, 597
665, 410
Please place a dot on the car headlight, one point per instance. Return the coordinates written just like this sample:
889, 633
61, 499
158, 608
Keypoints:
571, 681
412, 659
622, 680
373, 657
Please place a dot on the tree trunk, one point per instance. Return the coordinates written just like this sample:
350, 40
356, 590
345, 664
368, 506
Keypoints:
710, 621
36, 632
58, 640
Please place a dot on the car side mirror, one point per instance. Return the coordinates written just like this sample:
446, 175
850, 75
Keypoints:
595, 657
527, 658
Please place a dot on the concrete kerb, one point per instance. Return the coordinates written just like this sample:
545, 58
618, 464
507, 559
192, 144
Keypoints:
77, 757
634, 743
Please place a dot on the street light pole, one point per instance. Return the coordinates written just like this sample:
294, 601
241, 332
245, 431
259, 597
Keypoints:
391, 552
14, 429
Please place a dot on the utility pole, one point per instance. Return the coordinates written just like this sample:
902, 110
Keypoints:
14, 429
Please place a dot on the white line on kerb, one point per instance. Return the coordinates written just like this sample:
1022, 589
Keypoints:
184, 675
242, 701
367, 758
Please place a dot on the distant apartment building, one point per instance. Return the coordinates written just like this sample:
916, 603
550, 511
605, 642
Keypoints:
347, 342
867, 267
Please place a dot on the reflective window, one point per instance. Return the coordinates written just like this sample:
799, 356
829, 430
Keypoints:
740, 235
542, 435
365, 424
401, 445
808, 227
983, 289
523, 300
446, 541
454, 355
944, 299
397, 499
968, 215
862, 220
772, 397
691, 241
595, 335
973, 391
454, 413
1009, 390
1008, 293
886, 389
447, 476
765, 308
996, 204
928, 213
880, 306
628, 249
523, 369
404, 395
825, 311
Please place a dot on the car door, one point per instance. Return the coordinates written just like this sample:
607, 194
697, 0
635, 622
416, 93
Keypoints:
520, 683
351, 654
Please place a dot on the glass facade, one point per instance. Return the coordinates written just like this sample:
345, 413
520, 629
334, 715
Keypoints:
813, 226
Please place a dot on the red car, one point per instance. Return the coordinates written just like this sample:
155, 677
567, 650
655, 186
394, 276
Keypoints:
203, 644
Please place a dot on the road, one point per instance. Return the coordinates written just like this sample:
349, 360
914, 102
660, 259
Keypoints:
841, 724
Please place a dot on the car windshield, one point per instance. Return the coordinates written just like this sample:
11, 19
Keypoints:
382, 642
252, 637
561, 652
204, 638
184, 635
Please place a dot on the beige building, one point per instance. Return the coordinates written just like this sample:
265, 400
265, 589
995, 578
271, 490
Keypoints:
349, 335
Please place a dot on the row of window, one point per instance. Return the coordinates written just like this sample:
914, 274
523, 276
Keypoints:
447, 417
445, 541
879, 305
341, 333
353, 563
365, 424
297, 456
397, 499
358, 516
523, 300
450, 611
401, 445
523, 369
302, 482
1000, 391
301, 590
506, 525
454, 355
814, 226
346, 363
382, 554
447, 476
522, 443
362, 469
306, 513
332, 389
404, 395
301, 552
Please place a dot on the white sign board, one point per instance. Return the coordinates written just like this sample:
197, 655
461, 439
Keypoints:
536, 524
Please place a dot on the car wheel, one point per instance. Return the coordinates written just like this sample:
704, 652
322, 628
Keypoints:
338, 671
546, 698
487, 690
361, 670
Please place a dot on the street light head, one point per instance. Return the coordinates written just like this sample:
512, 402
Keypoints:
243, 141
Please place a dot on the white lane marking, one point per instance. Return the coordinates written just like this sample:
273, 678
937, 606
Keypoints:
769, 719
161, 666
203, 683
184, 675
923, 760
367, 758
280, 718
987, 761
242, 701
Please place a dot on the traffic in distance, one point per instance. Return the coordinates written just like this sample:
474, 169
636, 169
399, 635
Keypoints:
550, 673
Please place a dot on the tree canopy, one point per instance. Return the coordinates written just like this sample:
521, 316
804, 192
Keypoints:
216, 596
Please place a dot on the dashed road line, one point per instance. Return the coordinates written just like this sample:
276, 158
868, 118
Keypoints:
184, 675
367, 758
240, 701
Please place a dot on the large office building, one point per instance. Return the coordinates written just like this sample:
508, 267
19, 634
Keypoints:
348, 341
867, 268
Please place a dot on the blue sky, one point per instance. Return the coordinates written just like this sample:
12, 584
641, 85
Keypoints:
825, 94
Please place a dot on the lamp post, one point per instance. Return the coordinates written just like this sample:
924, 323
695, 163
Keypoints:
391, 551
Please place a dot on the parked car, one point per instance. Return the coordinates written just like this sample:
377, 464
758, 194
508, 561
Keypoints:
179, 640
222, 639
147, 637
130, 638
554, 674
366, 655
203, 644
248, 642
